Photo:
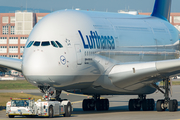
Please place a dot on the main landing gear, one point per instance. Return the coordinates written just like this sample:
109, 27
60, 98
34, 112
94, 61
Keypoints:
95, 103
148, 104
141, 102
166, 103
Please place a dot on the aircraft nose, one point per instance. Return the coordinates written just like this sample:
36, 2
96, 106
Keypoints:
35, 64
41, 68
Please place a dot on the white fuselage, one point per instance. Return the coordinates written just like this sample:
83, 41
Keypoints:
86, 37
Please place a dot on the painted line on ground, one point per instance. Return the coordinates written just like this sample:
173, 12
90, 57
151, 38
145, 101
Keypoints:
82, 101
13, 118
76, 102
75, 94
80, 95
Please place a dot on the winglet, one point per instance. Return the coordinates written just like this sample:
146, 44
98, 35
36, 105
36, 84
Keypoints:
162, 9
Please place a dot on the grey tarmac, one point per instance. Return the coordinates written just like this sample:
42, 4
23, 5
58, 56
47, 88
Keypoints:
118, 108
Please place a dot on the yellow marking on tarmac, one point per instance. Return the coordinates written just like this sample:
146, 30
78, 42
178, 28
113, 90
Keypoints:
76, 102
80, 95
76, 94
82, 101
11, 118
177, 92
20, 118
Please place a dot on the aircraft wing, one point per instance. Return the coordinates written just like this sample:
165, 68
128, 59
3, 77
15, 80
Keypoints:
10, 63
132, 76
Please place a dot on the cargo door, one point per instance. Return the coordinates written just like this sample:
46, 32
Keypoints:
78, 54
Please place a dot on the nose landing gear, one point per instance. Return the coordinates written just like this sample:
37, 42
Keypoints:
49, 91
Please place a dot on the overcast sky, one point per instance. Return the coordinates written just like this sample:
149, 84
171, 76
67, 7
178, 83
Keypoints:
98, 5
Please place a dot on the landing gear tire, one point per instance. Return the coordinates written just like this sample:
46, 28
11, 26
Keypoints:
105, 104
88, 105
85, 105
50, 112
130, 105
68, 110
160, 106
133, 105
173, 105
102, 104
11, 116
148, 104
99, 104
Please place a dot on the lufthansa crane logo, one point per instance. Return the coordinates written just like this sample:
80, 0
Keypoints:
63, 60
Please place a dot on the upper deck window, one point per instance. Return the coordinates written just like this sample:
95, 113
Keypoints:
30, 44
46, 43
37, 43
59, 44
54, 44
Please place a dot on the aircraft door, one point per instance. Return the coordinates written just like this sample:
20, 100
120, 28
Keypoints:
78, 54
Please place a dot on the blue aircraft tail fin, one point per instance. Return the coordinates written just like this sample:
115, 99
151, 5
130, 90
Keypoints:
162, 9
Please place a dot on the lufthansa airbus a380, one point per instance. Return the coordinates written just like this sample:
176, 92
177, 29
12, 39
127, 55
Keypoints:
98, 53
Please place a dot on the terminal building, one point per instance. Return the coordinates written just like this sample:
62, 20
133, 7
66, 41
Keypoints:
14, 31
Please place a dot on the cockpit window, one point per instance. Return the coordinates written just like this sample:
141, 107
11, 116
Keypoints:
59, 44
54, 44
37, 43
30, 43
46, 43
